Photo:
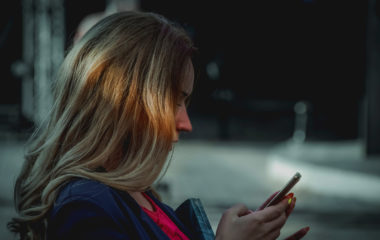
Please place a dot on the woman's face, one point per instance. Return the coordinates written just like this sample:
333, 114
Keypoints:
182, 119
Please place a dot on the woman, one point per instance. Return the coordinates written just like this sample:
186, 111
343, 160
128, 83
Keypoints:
120, 104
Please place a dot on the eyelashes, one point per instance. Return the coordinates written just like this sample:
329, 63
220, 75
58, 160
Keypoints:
185, 101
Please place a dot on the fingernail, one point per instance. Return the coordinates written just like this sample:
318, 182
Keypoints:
290, 201
290, 195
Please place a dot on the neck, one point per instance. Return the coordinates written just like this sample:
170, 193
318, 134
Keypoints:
141, 200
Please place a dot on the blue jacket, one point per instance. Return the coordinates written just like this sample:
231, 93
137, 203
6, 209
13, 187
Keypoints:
87, 209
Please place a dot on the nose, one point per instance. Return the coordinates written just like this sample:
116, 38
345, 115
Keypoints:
183, 123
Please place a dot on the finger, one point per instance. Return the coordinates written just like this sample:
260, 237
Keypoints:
291, 207
283, 205
238, 210
299, 234
270, 213
289, 195
274, 227
267, 201
267, 228
276, 224
273, 235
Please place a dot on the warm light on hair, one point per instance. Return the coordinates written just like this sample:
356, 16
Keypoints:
115, 100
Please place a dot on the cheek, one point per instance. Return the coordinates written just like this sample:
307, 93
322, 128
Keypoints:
178, 114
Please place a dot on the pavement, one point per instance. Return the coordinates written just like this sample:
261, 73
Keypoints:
338, 195
11, 158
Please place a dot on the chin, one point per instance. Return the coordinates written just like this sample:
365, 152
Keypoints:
171, 147
174, 142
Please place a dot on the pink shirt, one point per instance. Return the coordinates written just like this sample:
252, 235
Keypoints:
163, 221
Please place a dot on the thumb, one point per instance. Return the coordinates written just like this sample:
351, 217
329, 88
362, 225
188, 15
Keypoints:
267, 201
239, 210
283, 205
273, 212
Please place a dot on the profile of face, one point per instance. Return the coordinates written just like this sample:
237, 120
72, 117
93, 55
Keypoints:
182, 120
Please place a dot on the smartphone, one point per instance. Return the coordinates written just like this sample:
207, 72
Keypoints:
288, 186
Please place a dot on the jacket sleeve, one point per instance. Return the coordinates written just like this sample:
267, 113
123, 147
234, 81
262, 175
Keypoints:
83, 219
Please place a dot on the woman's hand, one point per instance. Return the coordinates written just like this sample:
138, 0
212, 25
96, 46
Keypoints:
240, 223
300, 233
289, 196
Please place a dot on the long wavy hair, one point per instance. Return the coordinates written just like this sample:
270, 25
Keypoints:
115, 103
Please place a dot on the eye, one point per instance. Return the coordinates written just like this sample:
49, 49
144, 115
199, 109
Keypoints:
187, 101
184, 100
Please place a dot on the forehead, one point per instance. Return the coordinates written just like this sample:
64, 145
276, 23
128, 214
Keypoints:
188, 77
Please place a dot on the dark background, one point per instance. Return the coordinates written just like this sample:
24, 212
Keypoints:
270, 55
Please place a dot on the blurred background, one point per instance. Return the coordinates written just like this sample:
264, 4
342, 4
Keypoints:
282, 86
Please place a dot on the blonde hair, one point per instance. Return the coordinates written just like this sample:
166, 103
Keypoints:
115, 103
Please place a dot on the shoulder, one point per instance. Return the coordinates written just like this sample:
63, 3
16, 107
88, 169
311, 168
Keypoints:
83, 189
86, 191
88, 208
